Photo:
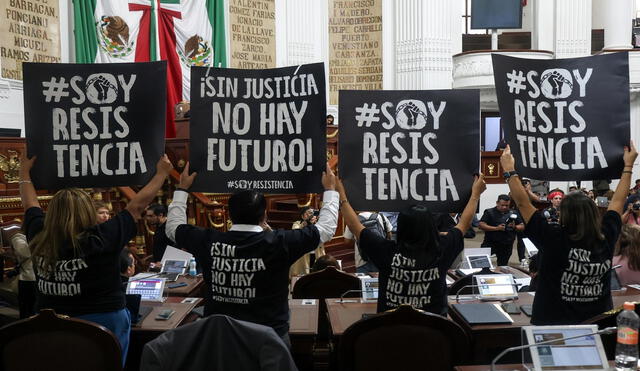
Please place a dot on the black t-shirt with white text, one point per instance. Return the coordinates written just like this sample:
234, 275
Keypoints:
412, 277
494, 218
574, 281
88, 281
247, 273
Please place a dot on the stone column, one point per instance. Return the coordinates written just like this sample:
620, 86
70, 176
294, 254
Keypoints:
572, 25
427, 34
617, 24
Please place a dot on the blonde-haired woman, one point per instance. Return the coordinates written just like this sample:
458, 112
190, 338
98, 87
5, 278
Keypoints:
628, 255
76, 261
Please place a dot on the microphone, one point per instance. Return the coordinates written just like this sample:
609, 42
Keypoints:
547, 214
514, 285
607, 330
346, 293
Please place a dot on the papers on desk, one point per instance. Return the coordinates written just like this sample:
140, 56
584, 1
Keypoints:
449, 280
637, 287
171, 253
308, 301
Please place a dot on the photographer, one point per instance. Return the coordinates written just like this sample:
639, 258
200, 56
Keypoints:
308, 216
632, 214
552, 213
500, 225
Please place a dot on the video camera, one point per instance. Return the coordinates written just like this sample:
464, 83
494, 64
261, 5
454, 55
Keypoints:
510, 222
552, 216
636, 206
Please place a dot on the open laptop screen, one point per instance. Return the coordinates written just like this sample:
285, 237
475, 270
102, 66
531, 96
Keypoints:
496, 286
174, 266
583, 353
150, 289
369, 288
479, 261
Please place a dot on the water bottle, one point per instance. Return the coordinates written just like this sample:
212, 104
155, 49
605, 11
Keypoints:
192, 267
627, 346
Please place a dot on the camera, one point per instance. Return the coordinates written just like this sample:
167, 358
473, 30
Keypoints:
316, 212
510, 223
552, 216
636, 206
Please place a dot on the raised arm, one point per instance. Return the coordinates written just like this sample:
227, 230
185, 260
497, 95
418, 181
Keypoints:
328, 218
177, 213
148, 192
348, 215
622, 190
467, 214
27, 190
518, 193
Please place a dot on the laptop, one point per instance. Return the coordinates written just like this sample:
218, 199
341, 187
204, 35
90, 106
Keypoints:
149, 289
496, 286
138, 312
479, 261
583, 353
369, 289
171, 269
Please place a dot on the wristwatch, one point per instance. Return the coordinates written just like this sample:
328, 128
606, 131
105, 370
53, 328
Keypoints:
509, 174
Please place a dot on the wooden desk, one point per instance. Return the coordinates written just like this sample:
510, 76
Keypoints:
150, 328
193, 288
343, 315
489, 340
303, 328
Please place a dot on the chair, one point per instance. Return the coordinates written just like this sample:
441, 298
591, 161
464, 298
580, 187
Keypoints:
48, 341
403, 339
217, 342
325, 284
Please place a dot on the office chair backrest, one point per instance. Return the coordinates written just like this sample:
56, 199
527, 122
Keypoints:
48, 341
403, 339
327, 283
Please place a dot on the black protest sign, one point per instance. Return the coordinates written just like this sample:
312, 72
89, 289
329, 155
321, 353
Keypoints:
400, 148
94, 125
565, 119
258, 129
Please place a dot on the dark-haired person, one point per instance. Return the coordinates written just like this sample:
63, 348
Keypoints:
323, 262
246, 269
418, 261
628, 255
575, 255
75, 259
301, 266
500, 224
156, 216
127, 266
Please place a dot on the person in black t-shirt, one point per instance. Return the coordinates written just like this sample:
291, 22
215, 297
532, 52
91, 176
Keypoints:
500, 225
156, 216
75, 259
575, 255
413, 269
246, 269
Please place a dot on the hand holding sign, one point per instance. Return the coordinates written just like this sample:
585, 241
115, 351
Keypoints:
186, 180
630, 155
164, 166
478, 186
328, 179
25, 166
506, 160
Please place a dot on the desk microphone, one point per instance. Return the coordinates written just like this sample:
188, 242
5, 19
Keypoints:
348, 292
607, 330
514, 285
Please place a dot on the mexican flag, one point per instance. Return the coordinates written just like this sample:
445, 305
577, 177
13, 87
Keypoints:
185, 33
